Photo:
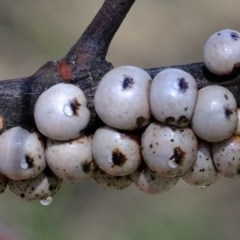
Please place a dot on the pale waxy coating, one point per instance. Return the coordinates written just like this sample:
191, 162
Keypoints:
150, 182
122, 98
226, 157
71, 161
3, 183
60, 112
22, 154
41, 187
173, 94
215, 114
116, 153
167, 150
111, 182
221, 52
203, 172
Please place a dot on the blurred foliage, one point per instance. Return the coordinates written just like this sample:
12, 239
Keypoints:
155, 33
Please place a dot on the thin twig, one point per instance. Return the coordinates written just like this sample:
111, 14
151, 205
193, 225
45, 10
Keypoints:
95, 41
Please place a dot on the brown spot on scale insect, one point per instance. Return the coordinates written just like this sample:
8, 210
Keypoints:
228, 112
86, 167
30, 161
169, 120
183, 85
75, 105
118, 157
127, 82
178, 155
235, 36
140, 122
182, 120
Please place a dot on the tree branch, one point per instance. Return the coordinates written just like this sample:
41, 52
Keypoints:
95, 41
84, 66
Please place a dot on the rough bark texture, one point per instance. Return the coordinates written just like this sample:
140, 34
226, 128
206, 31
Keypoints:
84, 66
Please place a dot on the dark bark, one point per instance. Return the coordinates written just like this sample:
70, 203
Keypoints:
84, 66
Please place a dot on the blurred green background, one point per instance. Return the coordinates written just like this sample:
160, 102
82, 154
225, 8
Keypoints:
155, 33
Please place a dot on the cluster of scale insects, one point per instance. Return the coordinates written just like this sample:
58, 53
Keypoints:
157, 131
